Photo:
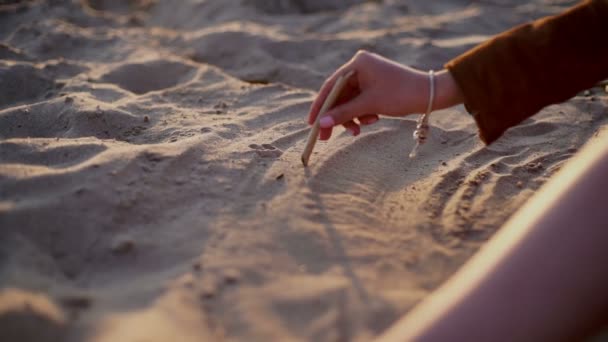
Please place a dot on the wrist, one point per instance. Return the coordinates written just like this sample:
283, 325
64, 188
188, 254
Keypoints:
447, 91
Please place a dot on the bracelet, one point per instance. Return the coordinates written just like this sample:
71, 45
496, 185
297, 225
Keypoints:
429, 108
422, 128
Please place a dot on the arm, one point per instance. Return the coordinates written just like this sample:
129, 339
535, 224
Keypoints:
542, 276
380, 86
501, 82
533, 65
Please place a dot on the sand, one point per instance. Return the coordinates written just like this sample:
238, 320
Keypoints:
150, 179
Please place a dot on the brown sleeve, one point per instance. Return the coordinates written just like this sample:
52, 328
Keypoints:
514, 75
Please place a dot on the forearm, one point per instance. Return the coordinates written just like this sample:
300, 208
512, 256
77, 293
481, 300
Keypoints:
514, 75
447, 90
541, 278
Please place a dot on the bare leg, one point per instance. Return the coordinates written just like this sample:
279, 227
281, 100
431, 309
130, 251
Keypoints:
542, 277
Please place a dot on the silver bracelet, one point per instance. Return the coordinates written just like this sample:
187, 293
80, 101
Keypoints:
422, 128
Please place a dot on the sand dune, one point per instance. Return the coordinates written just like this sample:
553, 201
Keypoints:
150, 178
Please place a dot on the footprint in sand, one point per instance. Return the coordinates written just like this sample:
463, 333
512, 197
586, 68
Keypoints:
118, 7
302, 7
21, 83
57, 156
140, 78
266, 150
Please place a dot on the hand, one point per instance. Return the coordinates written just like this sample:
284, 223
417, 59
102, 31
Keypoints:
380, 86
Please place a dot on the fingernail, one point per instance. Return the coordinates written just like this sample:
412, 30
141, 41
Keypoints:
327, 122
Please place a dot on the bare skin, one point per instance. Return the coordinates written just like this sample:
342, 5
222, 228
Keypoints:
380, 86
543, 276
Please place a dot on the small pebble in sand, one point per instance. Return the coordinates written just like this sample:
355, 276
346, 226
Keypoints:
232, 276
188, 283
269, 153
197, 266
68, 99
123, 247
586, 93
76, 301
534, 167
281, 176
444, 163
146, 119
519, 184
221, 105
135, 20
208, 291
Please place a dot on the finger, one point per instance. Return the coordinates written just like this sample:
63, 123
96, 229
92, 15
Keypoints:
325, 133
346, 112
315, 107
368, 119
350, 91
352, 127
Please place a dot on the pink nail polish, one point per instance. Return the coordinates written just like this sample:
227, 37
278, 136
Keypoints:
327, 122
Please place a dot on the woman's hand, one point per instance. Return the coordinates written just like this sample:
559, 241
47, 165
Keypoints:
380, 86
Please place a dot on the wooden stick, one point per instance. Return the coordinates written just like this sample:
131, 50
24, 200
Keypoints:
329, 102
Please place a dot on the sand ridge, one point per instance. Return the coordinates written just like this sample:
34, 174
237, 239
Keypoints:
151, 185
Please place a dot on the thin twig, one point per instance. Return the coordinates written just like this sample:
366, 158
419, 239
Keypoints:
329, 102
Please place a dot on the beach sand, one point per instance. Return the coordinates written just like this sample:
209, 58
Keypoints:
151, 187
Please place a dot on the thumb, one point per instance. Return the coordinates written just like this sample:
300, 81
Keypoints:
346, 112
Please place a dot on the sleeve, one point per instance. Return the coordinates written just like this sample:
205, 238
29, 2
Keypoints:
515, 74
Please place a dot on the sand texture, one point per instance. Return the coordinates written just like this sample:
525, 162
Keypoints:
151, 187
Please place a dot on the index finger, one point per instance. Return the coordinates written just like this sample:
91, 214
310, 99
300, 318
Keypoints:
324, 92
